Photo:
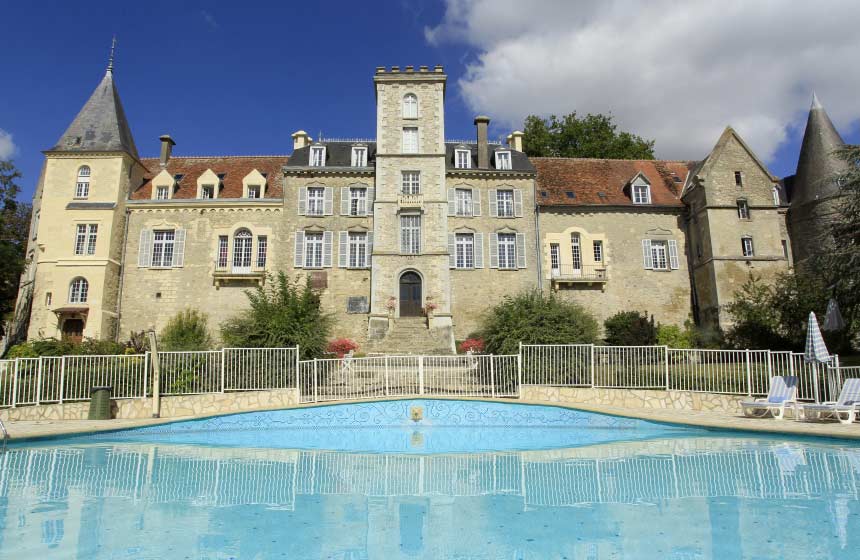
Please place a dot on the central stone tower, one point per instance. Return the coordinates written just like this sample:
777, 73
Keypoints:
410, 275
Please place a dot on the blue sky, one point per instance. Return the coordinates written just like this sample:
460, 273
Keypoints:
239, 78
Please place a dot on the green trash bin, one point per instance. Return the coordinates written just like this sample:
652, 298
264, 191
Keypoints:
100, 403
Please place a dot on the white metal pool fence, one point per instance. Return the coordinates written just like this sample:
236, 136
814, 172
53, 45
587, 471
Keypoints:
58, 379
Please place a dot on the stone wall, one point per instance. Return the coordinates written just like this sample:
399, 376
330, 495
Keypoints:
171, 407
634, 398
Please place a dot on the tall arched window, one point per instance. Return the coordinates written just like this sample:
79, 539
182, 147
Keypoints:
410, 106
78, 290
82, 188
242, 251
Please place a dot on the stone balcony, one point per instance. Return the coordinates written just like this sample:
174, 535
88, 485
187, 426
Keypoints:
591, 274
410, 200
225, 273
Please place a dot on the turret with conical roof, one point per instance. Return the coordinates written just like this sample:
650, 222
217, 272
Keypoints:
100, 126
818, 164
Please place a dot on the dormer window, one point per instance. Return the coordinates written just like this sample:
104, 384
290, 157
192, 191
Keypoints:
410, 106
253, 191
359, 156
207, 191
503, 160
162, 193
317, 158
462, 159
641, 194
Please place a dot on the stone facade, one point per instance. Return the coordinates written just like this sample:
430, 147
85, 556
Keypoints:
171, 407
633, 398
662, 237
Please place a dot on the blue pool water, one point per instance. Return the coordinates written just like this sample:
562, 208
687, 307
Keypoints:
471, 480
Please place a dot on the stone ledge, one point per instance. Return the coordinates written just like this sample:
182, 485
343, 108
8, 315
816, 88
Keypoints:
635, 398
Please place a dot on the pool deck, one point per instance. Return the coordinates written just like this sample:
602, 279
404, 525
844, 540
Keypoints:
47, 428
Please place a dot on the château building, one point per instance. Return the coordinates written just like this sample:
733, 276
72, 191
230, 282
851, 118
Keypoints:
402, 225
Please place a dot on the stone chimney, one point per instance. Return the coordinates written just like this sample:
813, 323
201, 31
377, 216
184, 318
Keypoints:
300, 139
482, 123
515, 140
167, 144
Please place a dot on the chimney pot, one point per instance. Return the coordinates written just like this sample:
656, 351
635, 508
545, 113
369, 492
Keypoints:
380, 69
482, 123
422, 68
438, 68
395, 69
167, 144
410, 68
515, 140
300, 139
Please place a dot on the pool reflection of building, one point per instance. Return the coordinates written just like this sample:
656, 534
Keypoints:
192, 481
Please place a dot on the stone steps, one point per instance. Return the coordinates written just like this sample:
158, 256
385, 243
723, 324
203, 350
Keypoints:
411, 336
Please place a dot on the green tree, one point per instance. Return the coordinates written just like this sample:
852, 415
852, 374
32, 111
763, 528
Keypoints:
14, 228
630, 328
592, 136
533, 318
282, 313
187, 330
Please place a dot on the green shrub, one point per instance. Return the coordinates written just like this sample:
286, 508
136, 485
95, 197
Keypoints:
57, 347
188, 330
630, 328
282, 313
532, 318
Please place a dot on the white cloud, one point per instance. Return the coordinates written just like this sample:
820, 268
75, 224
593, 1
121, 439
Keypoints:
678, 72
7, 146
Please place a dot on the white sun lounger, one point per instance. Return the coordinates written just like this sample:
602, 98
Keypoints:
781, 396
844, 409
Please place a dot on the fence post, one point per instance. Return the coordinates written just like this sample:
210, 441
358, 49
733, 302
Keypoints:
156, 375
316, 398
749, 373
493, 376
145, 372
39, 381
62, 378
298, 365
223, 369
386, 375
666, 356
15, 382
591, 364
420, 375
520, 372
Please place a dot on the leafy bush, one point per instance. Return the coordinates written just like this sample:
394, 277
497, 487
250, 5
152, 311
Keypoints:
533, 318
674, 337
630, 328
474, 345
282, 313
341, 347
188, 330
57, 347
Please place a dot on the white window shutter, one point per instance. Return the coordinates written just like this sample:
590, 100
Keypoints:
476, 202
300, 250
452, 202
518, 203
343, 249
479, 250
303, 201
369, 248
521, 250
673, 254
494, 250
494, 204
327, 242
452, 249
344, 201
179, 248
646, 254
371, 197
144, 254
329, 201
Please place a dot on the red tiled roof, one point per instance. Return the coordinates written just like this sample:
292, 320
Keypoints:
586, 178
234, 169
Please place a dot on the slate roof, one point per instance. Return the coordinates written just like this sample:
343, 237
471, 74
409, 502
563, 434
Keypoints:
519, 161
101, 125
606, 182
817, 165
233, 169
337, 154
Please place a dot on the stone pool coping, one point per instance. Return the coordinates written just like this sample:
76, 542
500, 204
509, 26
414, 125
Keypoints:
48, 429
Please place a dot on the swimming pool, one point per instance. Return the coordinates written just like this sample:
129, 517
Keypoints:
469, 480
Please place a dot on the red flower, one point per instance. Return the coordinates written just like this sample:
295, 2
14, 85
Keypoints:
476, 345
341, 347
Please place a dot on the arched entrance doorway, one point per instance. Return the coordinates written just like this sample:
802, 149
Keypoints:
410, 294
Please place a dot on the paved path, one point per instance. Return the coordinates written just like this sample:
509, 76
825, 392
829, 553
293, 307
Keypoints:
42, 428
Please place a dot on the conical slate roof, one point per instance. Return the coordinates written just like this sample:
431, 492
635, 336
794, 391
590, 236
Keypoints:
101, 125
817, 164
